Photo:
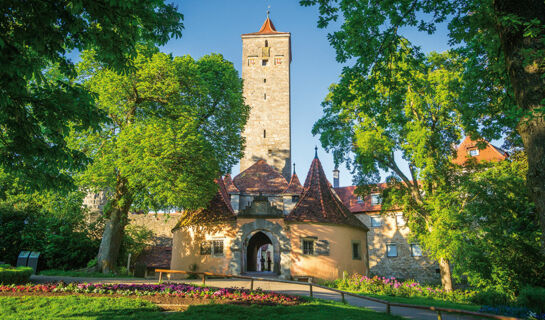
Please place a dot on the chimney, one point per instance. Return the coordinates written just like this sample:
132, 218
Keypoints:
335, 177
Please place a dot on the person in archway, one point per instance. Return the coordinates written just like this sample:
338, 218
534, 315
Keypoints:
262, 263
269, 261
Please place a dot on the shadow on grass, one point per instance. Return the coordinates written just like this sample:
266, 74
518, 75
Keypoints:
79, 307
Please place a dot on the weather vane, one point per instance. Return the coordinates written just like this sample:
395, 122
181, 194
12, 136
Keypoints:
268, 10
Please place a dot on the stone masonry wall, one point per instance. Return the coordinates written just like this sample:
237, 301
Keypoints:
161, 224
267, 92
404, 266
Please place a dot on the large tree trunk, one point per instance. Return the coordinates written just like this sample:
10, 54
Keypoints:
446, 276
114, 228
524, 56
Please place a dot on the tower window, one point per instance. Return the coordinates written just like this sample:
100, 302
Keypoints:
266, 43
264, 133
264, 96
264, 80
263, 62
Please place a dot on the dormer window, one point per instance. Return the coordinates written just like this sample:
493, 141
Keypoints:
375, 199
474, 152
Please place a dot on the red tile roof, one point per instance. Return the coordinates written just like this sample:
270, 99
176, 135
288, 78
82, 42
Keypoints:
294, 187
218, 210
319, 203
156, 257
489, 153
267, 28
260, 178
350, 199
229, 184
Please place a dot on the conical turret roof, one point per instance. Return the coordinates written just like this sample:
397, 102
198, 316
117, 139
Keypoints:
320, 204
294, 187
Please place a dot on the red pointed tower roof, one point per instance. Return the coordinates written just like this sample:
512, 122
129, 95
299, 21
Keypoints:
260, 178
266, 28
294, 187
229, 185
218, 210
320, 204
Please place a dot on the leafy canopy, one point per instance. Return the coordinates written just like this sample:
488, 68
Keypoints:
175, 125
38, 94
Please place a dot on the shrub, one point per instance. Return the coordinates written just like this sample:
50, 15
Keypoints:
532, 298
10, 275
491, 297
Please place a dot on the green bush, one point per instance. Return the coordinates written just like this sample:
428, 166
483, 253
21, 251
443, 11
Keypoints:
491, 297
532, 298
59, 232
10, 275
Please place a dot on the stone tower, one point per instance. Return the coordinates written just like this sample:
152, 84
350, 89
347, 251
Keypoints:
266, 58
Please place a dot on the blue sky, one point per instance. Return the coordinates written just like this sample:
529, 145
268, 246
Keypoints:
214, 26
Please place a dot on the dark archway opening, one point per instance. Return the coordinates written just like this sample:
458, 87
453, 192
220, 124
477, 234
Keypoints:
257, 258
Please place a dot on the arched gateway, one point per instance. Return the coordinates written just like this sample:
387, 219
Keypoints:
260, 253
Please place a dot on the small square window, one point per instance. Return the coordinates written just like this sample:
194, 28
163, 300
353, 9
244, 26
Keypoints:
474, 152
278, 60
294, 198
376, 222
359, 200
264, 62
375, 199
416, 251
217, 246
400, 220
308, 246
206, 248
356, 250
391, 250
251, 61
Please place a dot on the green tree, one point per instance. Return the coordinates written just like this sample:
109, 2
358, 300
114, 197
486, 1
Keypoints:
35, 110
175, 125
496, 227
502, 41
416, 119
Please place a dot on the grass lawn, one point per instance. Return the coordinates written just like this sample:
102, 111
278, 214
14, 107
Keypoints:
81, 307
82, 274
427, 302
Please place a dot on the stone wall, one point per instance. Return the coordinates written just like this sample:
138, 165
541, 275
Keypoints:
161, 224
405, 266
267, 92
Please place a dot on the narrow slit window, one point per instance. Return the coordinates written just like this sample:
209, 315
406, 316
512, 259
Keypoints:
264, 80
264, 133
266, 43
264, 96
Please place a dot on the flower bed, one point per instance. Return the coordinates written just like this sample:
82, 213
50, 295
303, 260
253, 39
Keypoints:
168, 290
393, 287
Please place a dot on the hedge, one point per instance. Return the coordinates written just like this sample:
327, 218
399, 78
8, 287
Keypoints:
11, 275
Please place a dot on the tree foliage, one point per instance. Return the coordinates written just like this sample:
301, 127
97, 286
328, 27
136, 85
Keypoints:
416, 119
497, 241
174, 125
502, 43
38, 95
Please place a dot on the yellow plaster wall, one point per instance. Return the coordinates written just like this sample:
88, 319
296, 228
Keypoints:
186, 248
340, 251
